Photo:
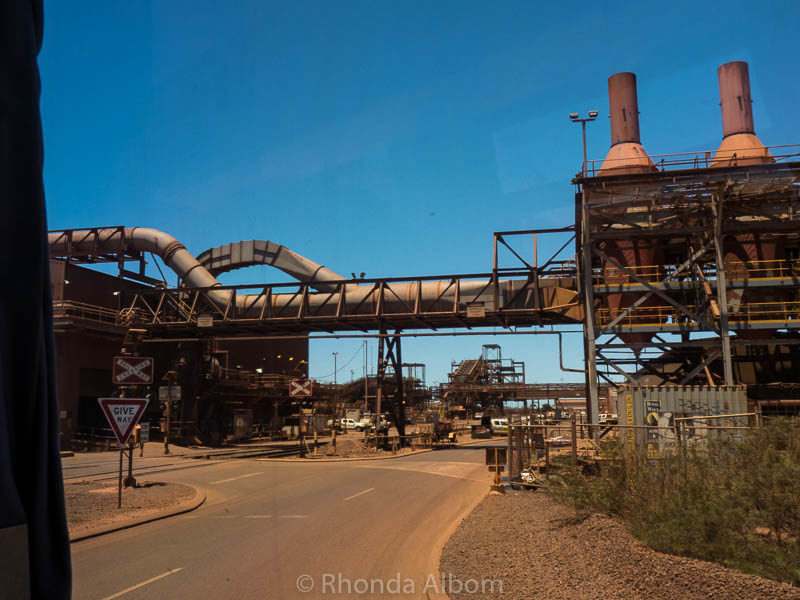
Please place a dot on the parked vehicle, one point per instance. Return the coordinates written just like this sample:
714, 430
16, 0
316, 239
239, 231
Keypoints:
480, 432
499, 426
345, 424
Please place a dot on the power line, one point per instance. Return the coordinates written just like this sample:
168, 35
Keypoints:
352, 358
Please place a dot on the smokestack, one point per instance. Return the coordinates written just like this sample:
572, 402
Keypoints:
740, 146
624, 105
627, 154
734, 98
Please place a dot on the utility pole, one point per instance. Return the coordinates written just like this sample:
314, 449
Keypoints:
335, 389
379, 381
366, 379
335, 354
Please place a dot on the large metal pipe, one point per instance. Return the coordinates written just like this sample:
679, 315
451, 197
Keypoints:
623, 105
181, 261
740, 146
626, 154
734, 98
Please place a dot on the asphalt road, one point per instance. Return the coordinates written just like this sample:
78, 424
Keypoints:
273, 529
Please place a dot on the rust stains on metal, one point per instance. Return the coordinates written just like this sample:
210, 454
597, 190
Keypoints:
740, 146
627, 154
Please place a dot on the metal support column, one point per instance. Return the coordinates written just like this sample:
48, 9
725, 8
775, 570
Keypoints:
722, 295
379, 379
589, 350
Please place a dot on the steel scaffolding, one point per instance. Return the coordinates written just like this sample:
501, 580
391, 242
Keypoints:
680, 320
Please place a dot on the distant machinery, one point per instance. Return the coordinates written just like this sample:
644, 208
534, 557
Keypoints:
490, 382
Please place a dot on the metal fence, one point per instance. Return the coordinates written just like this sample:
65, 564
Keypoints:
537, 448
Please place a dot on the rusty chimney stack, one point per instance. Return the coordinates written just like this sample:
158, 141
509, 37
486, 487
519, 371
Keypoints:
627, 154
740, 146
734, 98
624, 107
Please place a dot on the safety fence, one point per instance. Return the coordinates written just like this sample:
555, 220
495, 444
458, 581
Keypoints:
703, 159
536, 448
735, 271
750, 313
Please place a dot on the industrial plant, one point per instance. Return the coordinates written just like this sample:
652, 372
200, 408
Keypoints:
681, 270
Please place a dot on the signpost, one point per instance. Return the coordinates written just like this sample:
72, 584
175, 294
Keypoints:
496, 458
133, 370
122, 415
300, 387
167, 394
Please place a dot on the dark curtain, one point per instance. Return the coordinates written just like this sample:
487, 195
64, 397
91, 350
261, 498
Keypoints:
31, 486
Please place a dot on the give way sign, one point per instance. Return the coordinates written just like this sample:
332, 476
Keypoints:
123, 414
300, 387
133, 370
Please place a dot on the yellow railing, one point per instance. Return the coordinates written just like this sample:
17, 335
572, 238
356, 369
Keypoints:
83, 311
644, 316
734, 271
762, 269
610, 275
743, 314
760, 312
126, 317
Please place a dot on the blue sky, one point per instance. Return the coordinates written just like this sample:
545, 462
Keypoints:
390, 138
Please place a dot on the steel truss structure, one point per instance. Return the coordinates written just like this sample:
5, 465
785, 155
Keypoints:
98, 252
682, 319
524, 297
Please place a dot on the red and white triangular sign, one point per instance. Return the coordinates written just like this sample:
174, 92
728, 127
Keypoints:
123, 414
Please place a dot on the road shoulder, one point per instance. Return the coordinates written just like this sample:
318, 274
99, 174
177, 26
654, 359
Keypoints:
100, 503
541, 549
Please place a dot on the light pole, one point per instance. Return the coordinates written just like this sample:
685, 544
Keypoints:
366, 380
575, 119
335, 391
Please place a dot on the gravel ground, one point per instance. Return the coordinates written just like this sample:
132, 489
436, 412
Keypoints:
93, 504
541, 549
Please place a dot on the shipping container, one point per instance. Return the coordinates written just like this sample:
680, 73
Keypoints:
656, 408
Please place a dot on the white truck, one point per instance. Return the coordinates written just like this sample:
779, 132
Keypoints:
348, 423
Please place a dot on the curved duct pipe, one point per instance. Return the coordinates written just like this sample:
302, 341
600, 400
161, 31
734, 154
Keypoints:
184, 264
364, 298
262, 252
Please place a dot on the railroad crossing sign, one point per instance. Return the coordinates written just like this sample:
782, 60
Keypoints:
137, 370
300, 387
123, 414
